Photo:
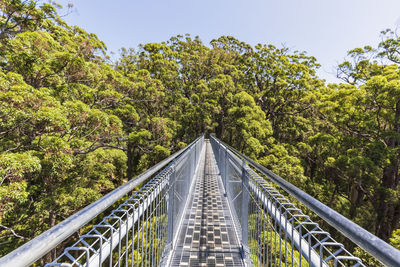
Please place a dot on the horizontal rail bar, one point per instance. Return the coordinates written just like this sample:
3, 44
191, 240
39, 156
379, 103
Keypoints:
42, 244
378, 248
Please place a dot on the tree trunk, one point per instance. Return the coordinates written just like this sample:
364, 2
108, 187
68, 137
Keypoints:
218, 129
356, 197
129, 163
51, 256
53, 222
387, 220
310, 168
388, 208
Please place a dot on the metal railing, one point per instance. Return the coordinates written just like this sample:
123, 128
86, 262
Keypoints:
274, 232
140, 232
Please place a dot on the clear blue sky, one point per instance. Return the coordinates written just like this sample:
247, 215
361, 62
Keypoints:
326, 29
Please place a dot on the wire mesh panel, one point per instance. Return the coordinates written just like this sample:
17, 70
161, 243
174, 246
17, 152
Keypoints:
272, 230
281, 234
132, 235
234, 190
183, 175
140, 231
231, 177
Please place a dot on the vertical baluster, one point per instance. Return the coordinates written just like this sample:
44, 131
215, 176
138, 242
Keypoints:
225, 169
170, 207
142, 230
153, 222
245, 212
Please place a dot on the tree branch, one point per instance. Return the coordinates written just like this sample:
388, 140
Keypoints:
12, 231
80, 152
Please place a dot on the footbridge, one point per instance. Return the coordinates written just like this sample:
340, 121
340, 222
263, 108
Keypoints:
206, 205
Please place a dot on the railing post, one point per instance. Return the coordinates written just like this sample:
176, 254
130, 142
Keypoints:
193, 166
245, 213
226, 169
218, 156
170, 207
191, 169
221, 171
193, 160
195, 153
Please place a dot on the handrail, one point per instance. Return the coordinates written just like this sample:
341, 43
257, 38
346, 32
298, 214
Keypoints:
33, 250
378, 248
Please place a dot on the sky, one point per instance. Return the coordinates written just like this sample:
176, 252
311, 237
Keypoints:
325, 29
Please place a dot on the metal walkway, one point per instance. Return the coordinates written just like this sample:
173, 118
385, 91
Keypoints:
205, 205
207, 236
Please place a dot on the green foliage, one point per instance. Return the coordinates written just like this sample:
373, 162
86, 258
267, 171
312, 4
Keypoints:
395, 239
265, 241
74, 126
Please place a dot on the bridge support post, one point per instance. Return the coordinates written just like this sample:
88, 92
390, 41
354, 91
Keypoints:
245, 214
226, 169
219, 161
195, 155
170, 207
193, 168
219, 153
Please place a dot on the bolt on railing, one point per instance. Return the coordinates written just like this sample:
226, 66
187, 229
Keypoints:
274, 232
140, 232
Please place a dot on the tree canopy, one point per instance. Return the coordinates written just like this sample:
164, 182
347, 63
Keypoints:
74, 126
